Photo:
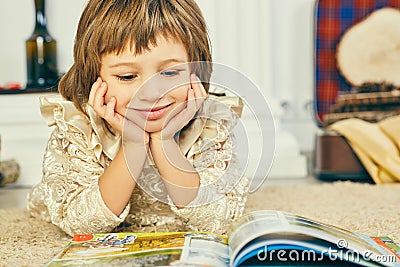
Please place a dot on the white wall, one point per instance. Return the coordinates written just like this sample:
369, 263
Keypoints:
292, 48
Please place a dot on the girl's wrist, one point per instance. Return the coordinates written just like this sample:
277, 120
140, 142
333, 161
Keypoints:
157, 137
131, 144
135, 140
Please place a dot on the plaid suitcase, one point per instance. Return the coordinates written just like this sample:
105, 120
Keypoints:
333, 157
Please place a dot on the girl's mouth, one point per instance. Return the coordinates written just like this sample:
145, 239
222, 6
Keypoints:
154, 113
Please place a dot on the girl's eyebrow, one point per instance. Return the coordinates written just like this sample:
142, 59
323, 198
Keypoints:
122, 64
162, 63
168, 61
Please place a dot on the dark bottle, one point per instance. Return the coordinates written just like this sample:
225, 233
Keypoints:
41, 52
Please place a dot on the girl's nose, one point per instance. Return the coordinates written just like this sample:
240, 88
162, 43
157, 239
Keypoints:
158, 86
151, 90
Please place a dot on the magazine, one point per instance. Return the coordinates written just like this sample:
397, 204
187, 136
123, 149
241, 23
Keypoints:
263, 237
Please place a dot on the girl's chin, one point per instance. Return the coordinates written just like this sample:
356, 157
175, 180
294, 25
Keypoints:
153, 127
152, 130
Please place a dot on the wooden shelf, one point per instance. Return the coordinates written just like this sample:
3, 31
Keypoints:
29, 90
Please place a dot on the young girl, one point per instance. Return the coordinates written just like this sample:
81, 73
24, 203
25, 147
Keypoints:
156, 163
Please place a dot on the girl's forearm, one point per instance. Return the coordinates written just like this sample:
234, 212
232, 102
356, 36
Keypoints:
119, 179
180, 178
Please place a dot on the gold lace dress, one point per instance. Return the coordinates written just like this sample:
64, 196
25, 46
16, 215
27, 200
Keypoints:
79, 150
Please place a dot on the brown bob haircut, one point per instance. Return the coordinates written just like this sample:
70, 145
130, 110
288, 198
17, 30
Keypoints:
109, 26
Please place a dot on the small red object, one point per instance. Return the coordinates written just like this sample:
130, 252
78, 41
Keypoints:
12, 86
82, 237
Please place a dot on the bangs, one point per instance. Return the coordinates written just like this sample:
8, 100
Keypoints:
138, 24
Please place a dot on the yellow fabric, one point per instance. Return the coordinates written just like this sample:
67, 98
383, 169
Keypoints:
376, 145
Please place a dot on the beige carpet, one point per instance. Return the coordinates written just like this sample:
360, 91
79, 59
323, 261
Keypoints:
368, 209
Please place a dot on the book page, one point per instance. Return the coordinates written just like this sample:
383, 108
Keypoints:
144, 249
328, 239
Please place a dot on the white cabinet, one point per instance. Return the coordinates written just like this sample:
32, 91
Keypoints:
24, 134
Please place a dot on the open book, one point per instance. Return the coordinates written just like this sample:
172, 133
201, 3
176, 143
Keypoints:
259, 238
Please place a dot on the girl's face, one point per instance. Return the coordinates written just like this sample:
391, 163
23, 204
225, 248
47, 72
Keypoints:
157, 81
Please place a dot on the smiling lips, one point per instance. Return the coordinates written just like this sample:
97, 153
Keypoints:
154, 113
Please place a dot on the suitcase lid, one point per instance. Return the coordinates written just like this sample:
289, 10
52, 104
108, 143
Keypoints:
332, 19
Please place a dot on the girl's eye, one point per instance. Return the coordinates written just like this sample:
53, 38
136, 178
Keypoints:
126, 77
170, 73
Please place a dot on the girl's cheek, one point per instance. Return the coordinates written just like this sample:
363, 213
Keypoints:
181, 92
120, 107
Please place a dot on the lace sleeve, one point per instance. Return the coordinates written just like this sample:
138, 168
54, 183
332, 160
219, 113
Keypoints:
223, 188
68, 194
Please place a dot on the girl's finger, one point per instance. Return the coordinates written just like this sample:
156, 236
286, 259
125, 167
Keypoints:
98, 100
109, 113
93, 90
199, 92
191, 102
113, 118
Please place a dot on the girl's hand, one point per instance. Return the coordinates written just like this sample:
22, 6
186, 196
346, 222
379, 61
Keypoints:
105, 110
130, 130
180, 118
